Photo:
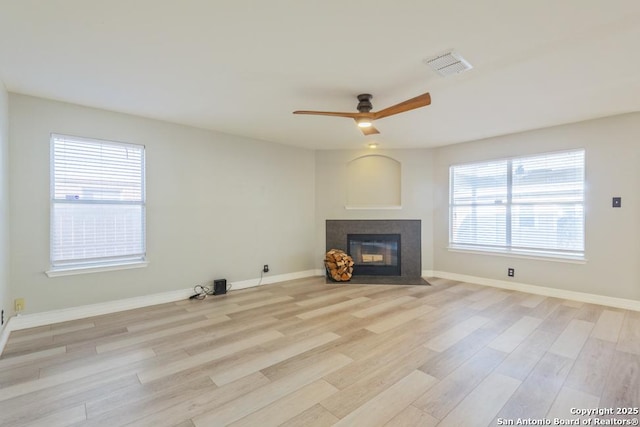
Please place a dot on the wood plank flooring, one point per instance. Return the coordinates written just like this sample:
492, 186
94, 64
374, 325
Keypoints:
307, 353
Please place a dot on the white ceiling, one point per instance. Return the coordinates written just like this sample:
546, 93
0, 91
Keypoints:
242, 66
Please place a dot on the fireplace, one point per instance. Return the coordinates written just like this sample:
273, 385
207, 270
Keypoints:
405, 255
375, 254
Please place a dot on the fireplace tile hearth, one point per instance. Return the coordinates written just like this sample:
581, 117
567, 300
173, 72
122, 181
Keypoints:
383, 280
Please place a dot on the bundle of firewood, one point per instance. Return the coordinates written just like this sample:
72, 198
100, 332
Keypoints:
339, 265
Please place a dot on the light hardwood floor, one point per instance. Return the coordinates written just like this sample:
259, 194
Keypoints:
306, 353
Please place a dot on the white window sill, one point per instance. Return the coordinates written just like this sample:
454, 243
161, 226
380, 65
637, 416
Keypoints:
70, 271
522, 255
373, 207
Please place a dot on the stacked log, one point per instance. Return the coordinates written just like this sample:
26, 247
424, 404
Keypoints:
339, 265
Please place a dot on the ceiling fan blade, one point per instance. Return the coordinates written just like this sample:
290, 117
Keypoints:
410, 104
330, 113
369, 131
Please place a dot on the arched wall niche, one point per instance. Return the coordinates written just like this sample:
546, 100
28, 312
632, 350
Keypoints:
374, 181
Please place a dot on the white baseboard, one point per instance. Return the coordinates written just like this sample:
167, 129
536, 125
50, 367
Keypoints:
627, 304
81, 312
268, 279
73, 313
427, 273
4, 334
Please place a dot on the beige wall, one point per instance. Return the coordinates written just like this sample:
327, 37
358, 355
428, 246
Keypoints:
374, 181
612, 236
416, 194
218, 206
222, 206
5, 294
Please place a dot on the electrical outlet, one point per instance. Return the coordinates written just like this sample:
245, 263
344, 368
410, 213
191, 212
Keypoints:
18, 305
265, 269
511, 272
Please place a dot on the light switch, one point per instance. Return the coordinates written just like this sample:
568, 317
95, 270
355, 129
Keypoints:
617, 202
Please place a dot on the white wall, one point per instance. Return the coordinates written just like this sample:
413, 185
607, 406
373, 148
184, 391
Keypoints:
218, 206
5, 294
612, 236
416, 194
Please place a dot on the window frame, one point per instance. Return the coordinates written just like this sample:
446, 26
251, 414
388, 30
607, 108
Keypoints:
508, 250
101, 263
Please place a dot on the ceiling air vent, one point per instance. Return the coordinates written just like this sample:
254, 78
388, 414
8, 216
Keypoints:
448, 63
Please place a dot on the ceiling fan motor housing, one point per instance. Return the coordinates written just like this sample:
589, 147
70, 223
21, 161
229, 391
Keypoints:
364, 106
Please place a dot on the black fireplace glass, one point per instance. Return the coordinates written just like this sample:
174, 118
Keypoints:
375, 254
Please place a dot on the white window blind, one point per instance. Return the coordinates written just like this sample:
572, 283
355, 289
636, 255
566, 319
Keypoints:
97, 202
531, 205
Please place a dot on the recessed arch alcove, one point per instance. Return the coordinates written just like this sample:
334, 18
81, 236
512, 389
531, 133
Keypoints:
374, 181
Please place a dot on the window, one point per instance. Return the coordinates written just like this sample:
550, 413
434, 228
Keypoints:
528, 205
97, 203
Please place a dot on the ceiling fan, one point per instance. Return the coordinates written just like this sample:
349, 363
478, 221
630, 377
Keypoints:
365, 117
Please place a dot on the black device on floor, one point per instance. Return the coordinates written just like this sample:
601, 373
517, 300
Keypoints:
220, 286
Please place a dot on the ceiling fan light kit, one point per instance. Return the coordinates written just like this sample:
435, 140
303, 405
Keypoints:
364, 123
365, 117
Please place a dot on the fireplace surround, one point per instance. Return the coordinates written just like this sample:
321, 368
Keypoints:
409, 251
